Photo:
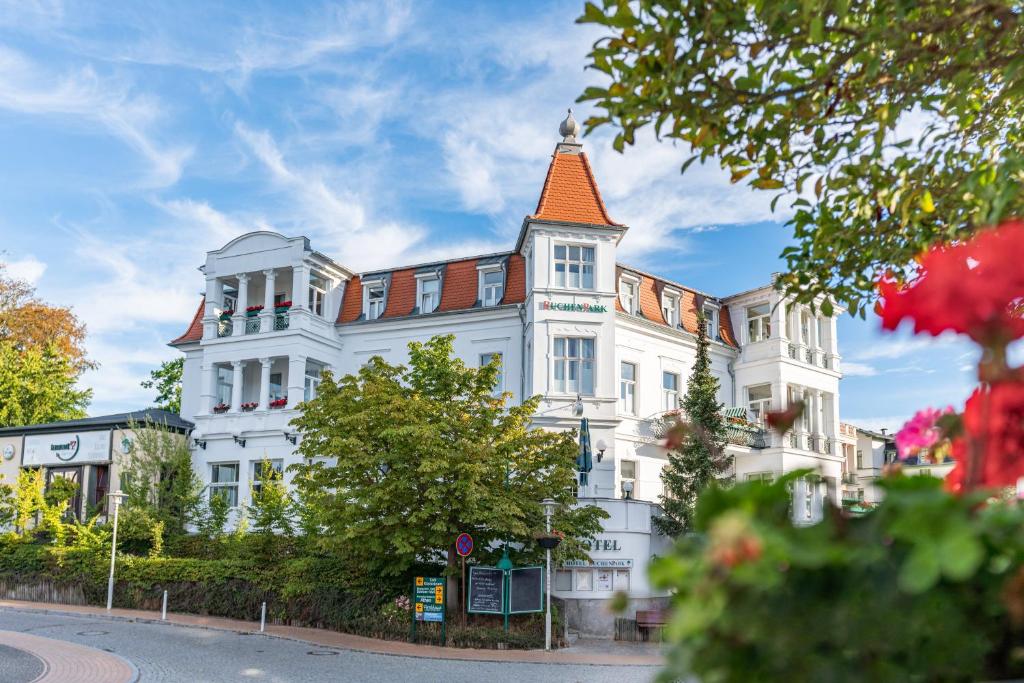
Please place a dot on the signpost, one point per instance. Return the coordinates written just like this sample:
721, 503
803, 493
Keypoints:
464, 546
428, 602
497, 590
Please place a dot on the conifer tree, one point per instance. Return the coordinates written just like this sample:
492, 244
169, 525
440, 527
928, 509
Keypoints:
698, 457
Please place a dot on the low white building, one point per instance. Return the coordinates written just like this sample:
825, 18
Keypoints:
569, 322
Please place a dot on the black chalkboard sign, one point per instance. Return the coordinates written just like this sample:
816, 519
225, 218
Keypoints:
527, 593
486, 590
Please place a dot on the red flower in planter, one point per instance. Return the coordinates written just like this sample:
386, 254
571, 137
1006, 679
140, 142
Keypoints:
279, 402
991, 451
254, 308
283, 304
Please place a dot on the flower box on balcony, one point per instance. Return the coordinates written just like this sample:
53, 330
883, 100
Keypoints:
253, 311
226, 315
282, 307
221, 408
250, 406
279, 403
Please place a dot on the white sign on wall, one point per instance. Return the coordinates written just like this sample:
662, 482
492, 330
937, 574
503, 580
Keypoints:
66, 448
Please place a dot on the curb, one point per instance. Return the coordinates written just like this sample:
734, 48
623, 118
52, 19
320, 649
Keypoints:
655, 662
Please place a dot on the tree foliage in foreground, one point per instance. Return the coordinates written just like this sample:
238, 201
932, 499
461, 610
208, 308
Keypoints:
167, 381
890, 124
38, 385
401, 459
699, 458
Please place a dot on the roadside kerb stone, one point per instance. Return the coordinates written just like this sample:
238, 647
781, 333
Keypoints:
66, 662
346, 641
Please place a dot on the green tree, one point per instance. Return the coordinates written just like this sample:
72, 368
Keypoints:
167, 382
8, 505
38, 385
401, 459
699, 458
890, 125
158, 478
269, 511
28, 498
213, 515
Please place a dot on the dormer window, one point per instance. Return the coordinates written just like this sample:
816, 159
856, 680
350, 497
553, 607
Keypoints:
627, 295
492, 286
574, 266
670, 308
711, 321
375, 300
429, 294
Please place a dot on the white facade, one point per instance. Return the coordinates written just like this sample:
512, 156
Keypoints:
555, 319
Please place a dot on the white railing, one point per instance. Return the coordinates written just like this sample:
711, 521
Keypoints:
252, 325
280, 321
225, 328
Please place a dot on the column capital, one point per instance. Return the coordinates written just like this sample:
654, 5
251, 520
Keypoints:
270, 273
266, 362
237, 364
242, 277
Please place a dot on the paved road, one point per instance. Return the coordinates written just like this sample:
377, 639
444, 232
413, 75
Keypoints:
17, 666
174, 653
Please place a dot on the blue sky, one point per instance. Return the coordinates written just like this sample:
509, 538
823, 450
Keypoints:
137, 137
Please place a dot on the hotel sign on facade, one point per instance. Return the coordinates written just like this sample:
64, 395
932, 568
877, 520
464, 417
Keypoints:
66, 448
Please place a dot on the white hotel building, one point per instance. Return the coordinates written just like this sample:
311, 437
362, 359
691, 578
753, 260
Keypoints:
569, 322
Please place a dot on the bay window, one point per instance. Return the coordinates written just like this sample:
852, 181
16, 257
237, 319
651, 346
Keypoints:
574, 266
574, 365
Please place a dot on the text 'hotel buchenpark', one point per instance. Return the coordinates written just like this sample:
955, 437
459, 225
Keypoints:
596, 338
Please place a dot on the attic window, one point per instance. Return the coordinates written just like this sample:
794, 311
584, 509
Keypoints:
429, 294
670, 308
375, 300
492, 286
628, 287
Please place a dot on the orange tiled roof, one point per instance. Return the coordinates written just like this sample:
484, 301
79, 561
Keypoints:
570, 193
195, 329
649, 299
459, 289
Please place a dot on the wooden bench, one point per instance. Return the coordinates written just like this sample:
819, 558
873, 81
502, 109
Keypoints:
650, 621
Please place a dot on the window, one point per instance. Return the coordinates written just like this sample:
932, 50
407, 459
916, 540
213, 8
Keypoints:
279, 298
574, 365
622, 580
266, 470
627, 295
669, 390
711, 322
374, 302
627, 474
230, 301
670, 309
627, 389
860, 459
485, 359
584, 579
574, 266
317, 291
563, 580
820, 339
766, 477
312, 384
429, 294
492, 284
224, 482
759, 326
276, 386
760, 401
225, 380
805, 328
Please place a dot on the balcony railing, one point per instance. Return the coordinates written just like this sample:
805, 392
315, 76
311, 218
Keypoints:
224, 328
280, 322
793, 351
747, 435
252, 325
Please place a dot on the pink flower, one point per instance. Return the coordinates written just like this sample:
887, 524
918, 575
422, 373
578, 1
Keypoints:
920, 433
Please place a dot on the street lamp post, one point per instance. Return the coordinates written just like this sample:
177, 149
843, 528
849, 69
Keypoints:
549, 508
115, 499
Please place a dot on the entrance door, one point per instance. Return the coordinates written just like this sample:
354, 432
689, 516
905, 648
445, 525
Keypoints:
74, 474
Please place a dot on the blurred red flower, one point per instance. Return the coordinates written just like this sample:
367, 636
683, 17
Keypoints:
991, 451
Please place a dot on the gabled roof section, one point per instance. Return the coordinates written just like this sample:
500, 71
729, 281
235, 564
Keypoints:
570, 193
194, 332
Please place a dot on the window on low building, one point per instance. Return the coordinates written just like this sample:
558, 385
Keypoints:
430, 294
317, 292
670, 309
627, 478
492, 287
627, 389
759, 326
574, 266
374, 302
263, 470
759, 401
485, 359
574, 365
224, 482
627, 295
622, 580
669, 390
563, 580
584, 579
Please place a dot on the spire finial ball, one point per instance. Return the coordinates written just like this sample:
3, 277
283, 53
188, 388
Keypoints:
569, 128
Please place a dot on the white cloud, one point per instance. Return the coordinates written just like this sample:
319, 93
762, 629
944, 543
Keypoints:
29, 269
891, 423
855, 369
83, 96
899, 348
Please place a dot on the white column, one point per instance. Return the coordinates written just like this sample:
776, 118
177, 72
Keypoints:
214, 299
300, 287
236, 385
267, 324
296, 380
209, 389
243, 303
781, 316
264, 383
819, 428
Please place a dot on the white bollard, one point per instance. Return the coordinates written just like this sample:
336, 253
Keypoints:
163, 610
263, 617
